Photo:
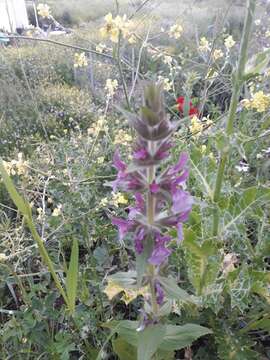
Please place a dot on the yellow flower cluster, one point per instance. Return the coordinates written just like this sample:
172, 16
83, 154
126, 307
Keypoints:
218, 53
99, 125
41, 214
176, 31
196, 126
259, 101
111, 87
204, 45
43, 10
113, 288
122, 138
167, 84
119, 199
229, 42
114, 26
16, 167
80, 60
57, 211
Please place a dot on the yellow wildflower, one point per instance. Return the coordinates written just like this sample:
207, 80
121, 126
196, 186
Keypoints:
114, 26
229, 42
43, 10
122, 138
57, 211
176, 31
204, 45
259, 101
167, 84
104, 202
80, 60
132, 39
218, 53
41, 213
119, 199
203, 149
19, 167
111, 86
100, 160
196, 126
267, 34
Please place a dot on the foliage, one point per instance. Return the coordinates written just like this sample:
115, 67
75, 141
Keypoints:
59, 128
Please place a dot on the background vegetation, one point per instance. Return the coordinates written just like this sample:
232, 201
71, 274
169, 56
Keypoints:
59, 130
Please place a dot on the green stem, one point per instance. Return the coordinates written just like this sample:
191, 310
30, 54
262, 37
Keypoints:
46, 259
119, 64
150, 219
238, 82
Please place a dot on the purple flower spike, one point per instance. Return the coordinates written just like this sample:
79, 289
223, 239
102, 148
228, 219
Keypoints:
138, 208
159, 293
118, 163
160, 252
182, 201
139, 237
161, 202
124, 226
140, 154
182, 178
163, 152
179, 166
154, 187
159, 255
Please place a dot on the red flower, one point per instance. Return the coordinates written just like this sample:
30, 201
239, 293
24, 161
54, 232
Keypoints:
181, 105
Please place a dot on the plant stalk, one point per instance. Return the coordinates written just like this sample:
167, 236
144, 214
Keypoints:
150, 219
237, 82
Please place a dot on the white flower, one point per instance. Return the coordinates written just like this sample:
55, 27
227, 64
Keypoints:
243, 167
229, 42
100, 48
168, 60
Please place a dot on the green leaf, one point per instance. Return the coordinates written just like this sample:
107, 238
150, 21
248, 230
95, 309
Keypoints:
18, 200
257, 64
239, 205
124, 279
149, 340
142, 260
72, 276
173, 291
124, 350
25, 209
263, 324
148, 115
203, 261
178, 337
127, 329
168, 337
